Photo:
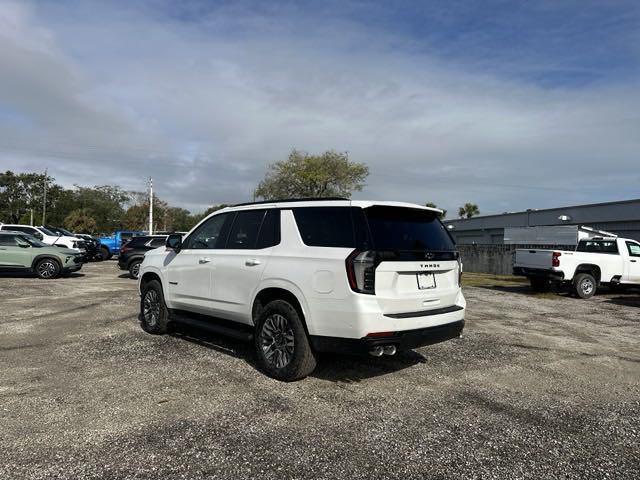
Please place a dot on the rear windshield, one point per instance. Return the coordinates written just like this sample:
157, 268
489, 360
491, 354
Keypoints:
598, 246
395, 232
400, 229
137, 241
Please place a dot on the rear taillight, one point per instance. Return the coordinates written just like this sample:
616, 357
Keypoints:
124, 249
459, 272
555, 259
361, 272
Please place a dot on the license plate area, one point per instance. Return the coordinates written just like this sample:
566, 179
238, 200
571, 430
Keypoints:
426, 280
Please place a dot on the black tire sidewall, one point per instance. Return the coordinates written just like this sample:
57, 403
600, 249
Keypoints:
303, 361
105, 254
54, 261
161, 326
578, 282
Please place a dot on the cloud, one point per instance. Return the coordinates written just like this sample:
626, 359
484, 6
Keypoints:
203, 98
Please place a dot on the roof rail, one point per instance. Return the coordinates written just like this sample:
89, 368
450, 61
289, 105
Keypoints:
286, 200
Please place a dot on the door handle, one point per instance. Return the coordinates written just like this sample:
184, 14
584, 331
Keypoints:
634, 261
252, 262
202, 260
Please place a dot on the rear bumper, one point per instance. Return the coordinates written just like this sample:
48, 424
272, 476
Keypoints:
403, 340
538, 272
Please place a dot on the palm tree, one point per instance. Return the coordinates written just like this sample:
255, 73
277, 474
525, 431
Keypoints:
469, 210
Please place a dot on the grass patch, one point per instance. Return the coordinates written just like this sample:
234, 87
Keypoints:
519, 284
470, 279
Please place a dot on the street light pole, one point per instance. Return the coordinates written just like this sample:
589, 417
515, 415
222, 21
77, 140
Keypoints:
150, 206
44, 199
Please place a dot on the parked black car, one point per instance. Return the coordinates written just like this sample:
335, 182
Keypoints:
132, 253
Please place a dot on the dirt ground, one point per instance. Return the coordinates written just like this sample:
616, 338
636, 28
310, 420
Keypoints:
539, 386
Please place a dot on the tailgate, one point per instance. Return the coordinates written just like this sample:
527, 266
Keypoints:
541, 259
403, 287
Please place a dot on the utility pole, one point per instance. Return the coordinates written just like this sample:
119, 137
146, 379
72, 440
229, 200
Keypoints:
44, 199
31, 223
150, 206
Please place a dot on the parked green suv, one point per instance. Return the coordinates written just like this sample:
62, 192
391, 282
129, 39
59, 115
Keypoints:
20, 252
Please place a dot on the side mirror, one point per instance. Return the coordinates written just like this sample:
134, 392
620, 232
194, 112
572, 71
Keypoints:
174, 242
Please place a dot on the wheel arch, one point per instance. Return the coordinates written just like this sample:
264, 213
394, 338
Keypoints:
589, 268
139, 258
280, 291
148, 276
43, 256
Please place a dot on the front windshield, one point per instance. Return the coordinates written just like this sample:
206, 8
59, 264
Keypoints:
47, 232
31, 240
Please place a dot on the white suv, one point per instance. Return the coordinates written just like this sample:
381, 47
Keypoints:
306, 276
46, 236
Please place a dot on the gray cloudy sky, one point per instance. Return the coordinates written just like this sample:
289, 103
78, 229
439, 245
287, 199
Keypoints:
510, 106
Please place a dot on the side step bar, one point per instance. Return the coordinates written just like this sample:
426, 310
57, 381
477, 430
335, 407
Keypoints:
240, 332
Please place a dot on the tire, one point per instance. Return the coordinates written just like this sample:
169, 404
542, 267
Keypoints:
104, 254
47, 268
279, 330
134, 269
585, 285
154, 315
539, 284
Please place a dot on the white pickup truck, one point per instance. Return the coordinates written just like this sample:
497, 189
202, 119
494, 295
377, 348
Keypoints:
595, 261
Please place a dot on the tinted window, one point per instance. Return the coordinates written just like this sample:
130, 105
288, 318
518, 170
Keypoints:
8, 240
634, 249
244, 233
125, 236
211, 234
407, 229
22, 229
325, 226
137, 241
269, 235
158, 242
598, 246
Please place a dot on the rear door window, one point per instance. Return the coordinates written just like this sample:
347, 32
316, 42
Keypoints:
244, 232
269, 235
8, 240
325, 226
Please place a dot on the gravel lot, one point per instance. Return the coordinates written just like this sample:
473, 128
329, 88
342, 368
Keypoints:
543, 386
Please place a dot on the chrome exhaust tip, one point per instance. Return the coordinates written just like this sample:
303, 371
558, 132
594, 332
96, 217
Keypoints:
376, 351
389, 349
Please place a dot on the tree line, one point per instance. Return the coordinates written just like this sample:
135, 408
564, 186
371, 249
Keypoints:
97, 209
105, 208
